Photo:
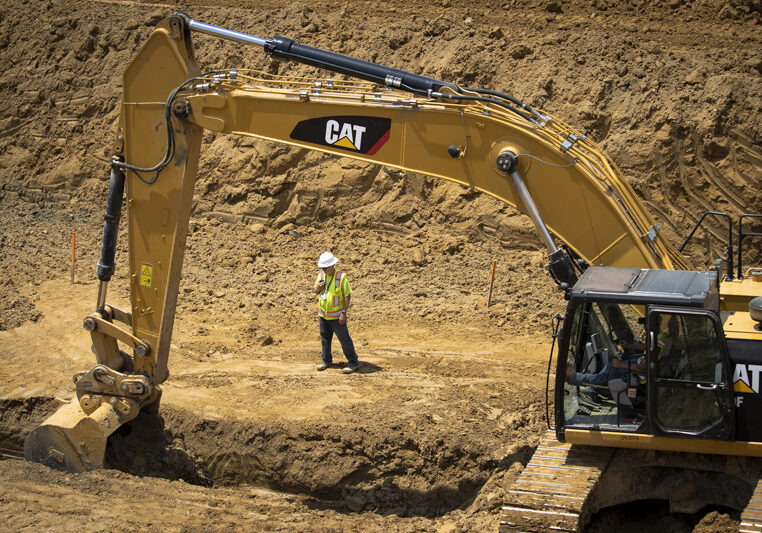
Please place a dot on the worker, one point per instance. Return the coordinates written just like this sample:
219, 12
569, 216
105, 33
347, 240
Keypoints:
631, 359
334, 292
615, 368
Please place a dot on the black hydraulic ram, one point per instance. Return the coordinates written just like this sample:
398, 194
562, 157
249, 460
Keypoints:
280, 46
110, 230
286, 48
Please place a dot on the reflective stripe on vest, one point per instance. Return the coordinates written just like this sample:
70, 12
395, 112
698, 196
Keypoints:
660, 344
336, 285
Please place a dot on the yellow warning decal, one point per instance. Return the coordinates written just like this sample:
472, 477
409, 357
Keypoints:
146, 274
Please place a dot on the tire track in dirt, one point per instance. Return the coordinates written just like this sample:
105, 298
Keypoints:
744, 144
731, 193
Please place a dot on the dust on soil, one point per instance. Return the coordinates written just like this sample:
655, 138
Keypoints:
450, 402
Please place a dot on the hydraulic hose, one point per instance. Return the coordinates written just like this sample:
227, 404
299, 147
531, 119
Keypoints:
169, 153
555, 327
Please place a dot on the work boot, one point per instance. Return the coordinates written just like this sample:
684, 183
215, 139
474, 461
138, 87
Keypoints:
322, 366
351, 368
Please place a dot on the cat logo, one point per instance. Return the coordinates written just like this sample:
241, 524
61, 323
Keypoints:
349, 138
365, 135
746, 378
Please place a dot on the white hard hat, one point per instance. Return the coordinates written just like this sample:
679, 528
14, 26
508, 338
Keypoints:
327, 259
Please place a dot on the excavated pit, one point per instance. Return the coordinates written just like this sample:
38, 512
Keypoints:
630, 517
326, 472
340, 471
17, 418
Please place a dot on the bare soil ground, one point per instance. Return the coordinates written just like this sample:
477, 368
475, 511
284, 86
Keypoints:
450, 401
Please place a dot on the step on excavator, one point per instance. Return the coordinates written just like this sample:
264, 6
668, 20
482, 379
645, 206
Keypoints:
657, 389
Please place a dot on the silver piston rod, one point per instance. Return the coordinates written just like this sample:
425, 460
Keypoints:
224, 33
560, 265
532, 211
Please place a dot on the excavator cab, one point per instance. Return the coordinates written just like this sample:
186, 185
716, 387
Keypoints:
643, 352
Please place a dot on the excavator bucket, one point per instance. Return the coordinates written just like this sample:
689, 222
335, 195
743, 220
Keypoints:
71, 440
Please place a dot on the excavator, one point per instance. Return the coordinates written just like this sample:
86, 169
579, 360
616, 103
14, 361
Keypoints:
657, 385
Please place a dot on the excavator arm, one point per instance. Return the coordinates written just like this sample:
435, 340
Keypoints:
482, 139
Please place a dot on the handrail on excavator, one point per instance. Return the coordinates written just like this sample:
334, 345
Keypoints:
743, 235
728, 247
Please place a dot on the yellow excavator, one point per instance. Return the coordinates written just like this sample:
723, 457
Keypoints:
685, 404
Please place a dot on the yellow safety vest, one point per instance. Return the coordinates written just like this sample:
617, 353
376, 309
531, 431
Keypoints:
331, 300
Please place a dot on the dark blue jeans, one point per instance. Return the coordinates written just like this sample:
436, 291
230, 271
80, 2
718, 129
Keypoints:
327, 329
606, 374
600, 379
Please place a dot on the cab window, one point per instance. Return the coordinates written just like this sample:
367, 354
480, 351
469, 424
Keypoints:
605, 368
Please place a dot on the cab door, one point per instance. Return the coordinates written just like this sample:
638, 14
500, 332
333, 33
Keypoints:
689, 385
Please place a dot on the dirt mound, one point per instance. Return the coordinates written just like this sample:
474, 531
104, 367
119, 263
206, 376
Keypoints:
679, 114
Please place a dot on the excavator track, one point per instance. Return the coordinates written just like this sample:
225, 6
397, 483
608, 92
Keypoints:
553, 491
751, 518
